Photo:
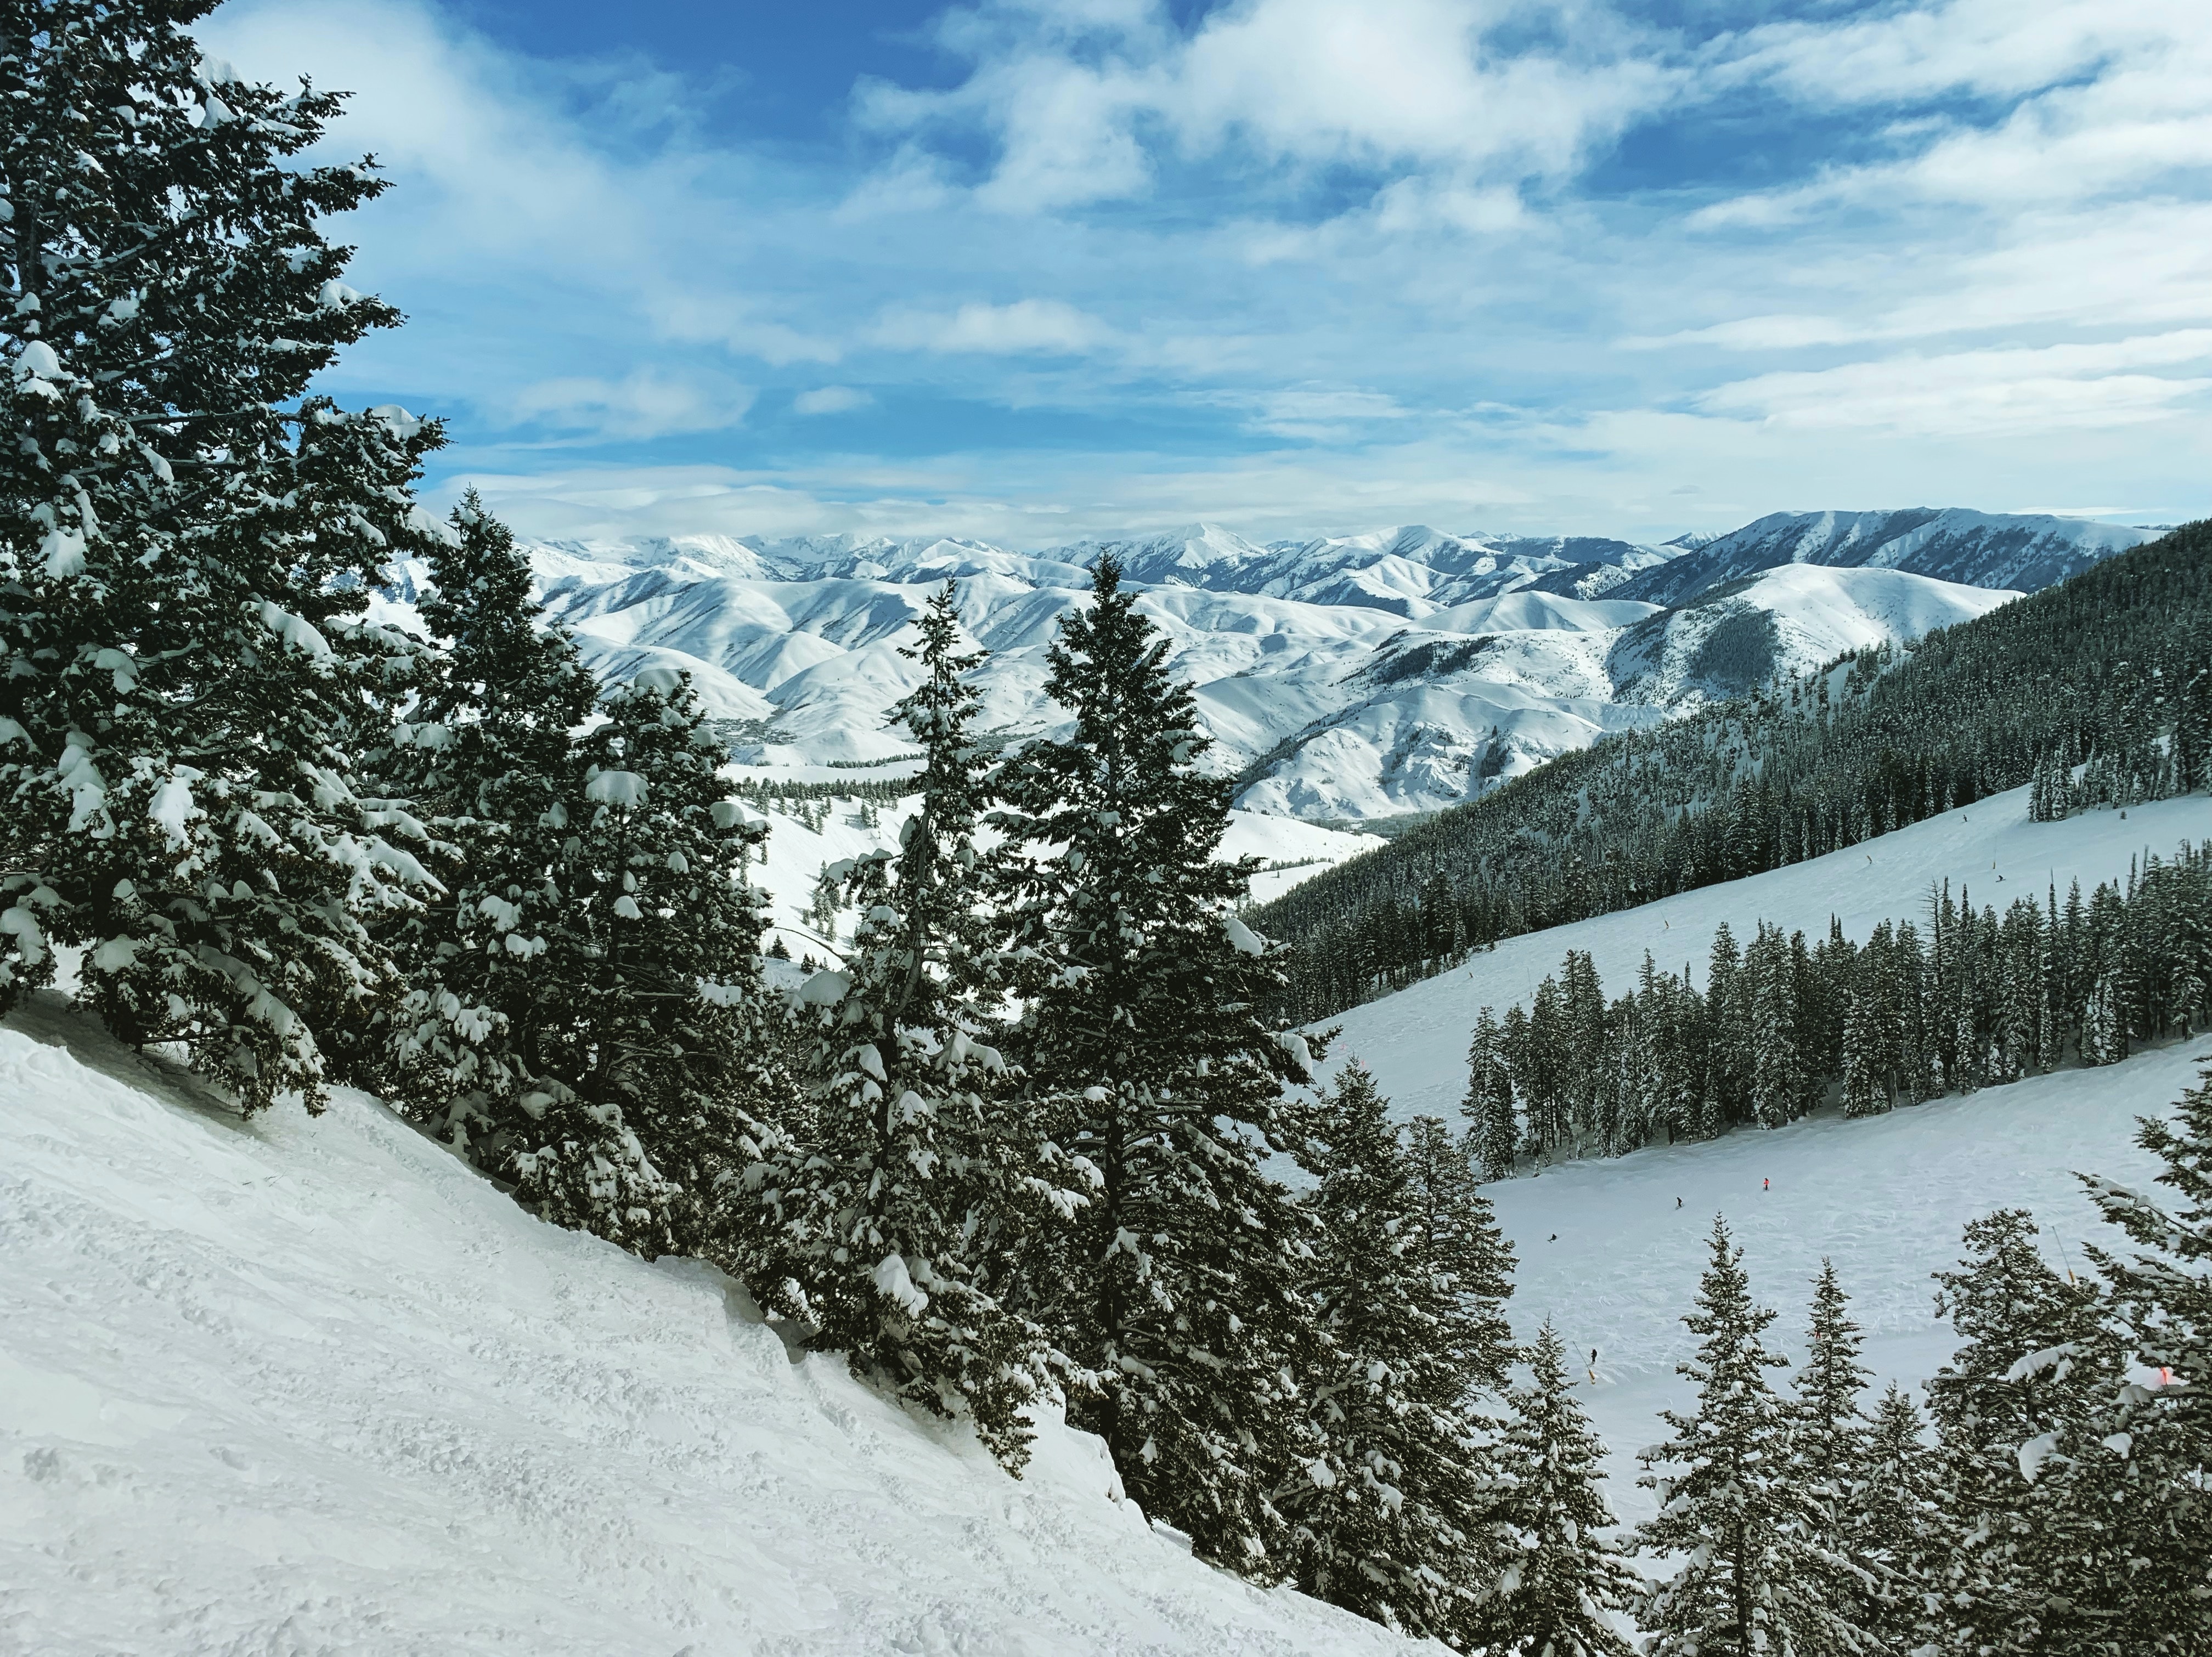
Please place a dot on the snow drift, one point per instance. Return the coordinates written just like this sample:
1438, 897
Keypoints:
294, 1385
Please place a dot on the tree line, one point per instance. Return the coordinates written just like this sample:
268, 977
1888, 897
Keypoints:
2098, 690
1975, 999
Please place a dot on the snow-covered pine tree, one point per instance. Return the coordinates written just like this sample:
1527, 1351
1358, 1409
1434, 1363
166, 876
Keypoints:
2034, 1500
1175, 1291
1862, 1089
1387, 1513
187, 541
921, 1179
1749, 1579
660, 1076
1560, 1576
1827, 1438
1778, 1081
2163, 1298
1457, 1243
485, 754
1896, 1527
1488, 1106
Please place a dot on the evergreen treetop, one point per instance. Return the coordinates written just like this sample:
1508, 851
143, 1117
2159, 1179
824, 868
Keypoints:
188, 541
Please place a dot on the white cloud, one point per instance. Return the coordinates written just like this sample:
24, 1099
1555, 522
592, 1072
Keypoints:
640, 405
830, 399
2042, 390
1041, 326
1088, 109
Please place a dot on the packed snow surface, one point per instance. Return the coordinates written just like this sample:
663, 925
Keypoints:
314, 1387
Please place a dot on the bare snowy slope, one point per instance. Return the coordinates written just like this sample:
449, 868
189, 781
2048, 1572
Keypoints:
294, 1385
1346, 677
1989, 549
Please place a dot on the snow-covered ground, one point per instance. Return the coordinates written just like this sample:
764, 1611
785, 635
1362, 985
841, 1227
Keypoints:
1885, 1197
295, 1386
1415, 1040
1605, 1251
1291, 851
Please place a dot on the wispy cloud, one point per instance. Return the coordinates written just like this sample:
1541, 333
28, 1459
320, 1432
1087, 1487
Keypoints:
1300, 264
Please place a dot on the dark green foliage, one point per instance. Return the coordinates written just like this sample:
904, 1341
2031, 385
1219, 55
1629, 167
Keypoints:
1388, 1510
486, 757
2094, 672
1174, 1291
1751, 1578
660, 1076
1828, 1447
918, 1179
2161, 1299
1989, 1002
1895, 1526
2036, 1562
1559, 1577
187, 538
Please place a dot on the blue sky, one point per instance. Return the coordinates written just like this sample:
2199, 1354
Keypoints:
1035, 271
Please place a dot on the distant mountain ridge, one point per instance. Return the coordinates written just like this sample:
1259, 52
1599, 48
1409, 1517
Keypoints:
1350, 677
2022, 551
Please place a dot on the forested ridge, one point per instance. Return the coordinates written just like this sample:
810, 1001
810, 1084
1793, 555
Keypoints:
2108, 675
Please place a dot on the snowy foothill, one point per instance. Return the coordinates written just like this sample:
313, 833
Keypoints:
315, 1386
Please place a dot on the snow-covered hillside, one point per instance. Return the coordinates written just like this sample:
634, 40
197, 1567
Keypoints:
1604, 1250
1346, 677
2025, 550
294, 1386
1415, 1040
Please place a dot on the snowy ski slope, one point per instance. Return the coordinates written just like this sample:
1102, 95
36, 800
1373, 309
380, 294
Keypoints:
1415, 1040
295, 1386
1885, 1197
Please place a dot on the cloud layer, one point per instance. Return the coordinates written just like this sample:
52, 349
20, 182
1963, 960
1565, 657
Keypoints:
1300, 264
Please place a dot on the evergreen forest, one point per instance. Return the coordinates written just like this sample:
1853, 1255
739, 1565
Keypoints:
2096, 691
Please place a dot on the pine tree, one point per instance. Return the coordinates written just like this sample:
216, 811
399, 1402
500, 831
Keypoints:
486, 757
1749, 1581
186, 681
1174, 1292
1488, 1106
1560, 1578
1863, 1090
1896, 1527
660, 1082
2036, 1562
1828, 1443
1456, 1243
919, 1176
1388, 1511
2163, 1435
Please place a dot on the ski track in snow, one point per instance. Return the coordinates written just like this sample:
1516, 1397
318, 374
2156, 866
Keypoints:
295, 1386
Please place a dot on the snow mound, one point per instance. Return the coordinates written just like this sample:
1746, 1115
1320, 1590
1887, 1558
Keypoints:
316, 1386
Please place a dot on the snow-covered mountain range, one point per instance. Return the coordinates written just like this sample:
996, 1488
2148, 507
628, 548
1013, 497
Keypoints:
1347, 678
